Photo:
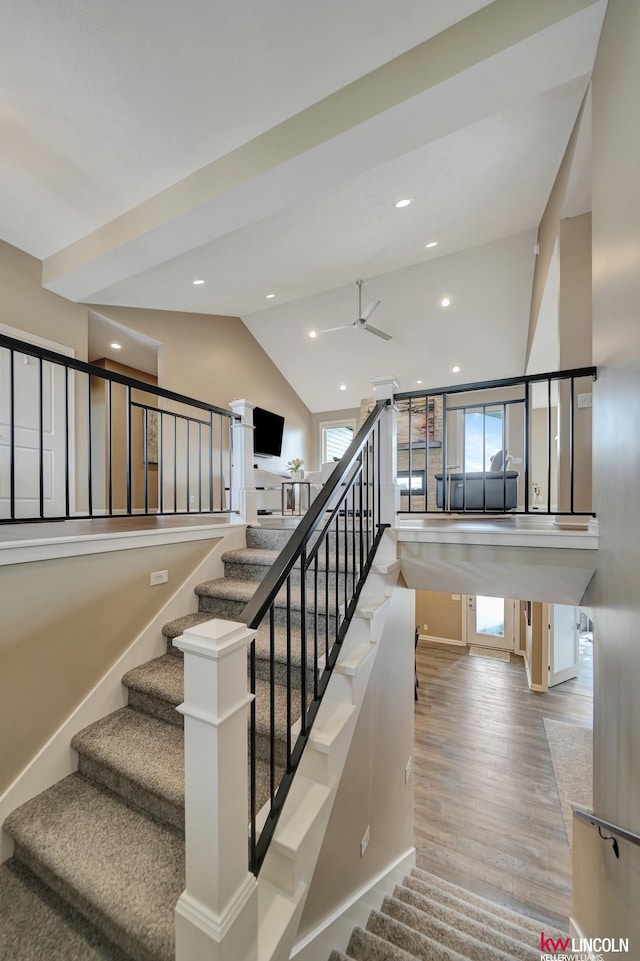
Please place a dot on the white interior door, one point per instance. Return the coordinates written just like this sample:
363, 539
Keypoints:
490, 622
26, 427
564, 643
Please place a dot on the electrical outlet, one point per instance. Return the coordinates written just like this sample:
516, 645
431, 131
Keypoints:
455, 597
158, 577
425, 627
517, 461
585, 400
408, 769
192, 499
365, 841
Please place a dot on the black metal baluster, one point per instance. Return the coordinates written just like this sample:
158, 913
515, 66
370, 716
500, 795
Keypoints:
336, 542
484, 457
326, 603
89, 453
222, 468
362, 515
200, 468
12, 437
354, 566
345, 508
272, 704
211, 507
175, 464
67, 466
548, 445
526, 448
504, 457
161, 461
410, 446
571, 440
426, 451
315, 626
128, 443
368, 491
379, 469
464, 462
303, 638
145, 428
288, 668
188, 467
252, 754
445, 480
110, 443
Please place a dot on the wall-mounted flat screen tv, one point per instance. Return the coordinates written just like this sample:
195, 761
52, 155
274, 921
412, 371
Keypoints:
267, 433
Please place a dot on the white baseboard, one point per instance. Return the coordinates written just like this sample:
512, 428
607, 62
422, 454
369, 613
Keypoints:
56, 759
335, 930
442, 640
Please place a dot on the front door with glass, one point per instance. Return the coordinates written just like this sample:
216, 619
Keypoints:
490, 622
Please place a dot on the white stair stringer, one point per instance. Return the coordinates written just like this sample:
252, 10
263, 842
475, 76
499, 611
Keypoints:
286, 874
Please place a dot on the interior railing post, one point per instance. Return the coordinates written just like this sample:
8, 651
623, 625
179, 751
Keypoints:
245, 497
385, 389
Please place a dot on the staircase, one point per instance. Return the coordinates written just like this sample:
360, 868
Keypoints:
99, 857
432, 919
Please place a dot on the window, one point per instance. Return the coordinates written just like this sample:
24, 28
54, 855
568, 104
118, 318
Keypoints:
334, 439
483, 437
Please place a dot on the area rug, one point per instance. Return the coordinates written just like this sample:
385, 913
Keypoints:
571, 750
488, 652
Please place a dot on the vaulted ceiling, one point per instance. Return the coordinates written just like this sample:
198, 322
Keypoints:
260, 147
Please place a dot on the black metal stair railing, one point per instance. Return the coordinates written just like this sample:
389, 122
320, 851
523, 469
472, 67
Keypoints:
79, 441
309, 596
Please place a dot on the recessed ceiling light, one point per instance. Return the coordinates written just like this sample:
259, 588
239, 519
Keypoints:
312, 334
404, 202
343, 386
455, 370
432, 243
116, 346
418, 382
270, 296
445, 302
196, 283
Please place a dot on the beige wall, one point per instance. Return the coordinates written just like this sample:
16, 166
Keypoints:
216, 359
25, 305
575, 338
548, 234
606, 891
64, 623
441, 612
372, 791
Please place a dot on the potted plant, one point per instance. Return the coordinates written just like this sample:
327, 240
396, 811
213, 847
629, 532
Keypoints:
295, 466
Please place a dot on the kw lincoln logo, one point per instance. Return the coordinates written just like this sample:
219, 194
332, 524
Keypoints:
581, 949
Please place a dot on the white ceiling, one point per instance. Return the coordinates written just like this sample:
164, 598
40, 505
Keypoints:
483, 331
103, 107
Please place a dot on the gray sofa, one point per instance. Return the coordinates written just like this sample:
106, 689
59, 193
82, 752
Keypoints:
491, 491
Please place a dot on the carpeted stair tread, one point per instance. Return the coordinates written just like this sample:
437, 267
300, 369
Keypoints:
122, 870
522, 921
262, 557
163, 678
181, 624
415, 944
241, 591
367, 946
139, 758
37, 925
436, 902
465, 939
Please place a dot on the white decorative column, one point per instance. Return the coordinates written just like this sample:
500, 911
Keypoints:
385, 387
217, 914
243, 491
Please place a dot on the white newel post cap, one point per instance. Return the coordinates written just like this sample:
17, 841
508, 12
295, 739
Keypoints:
385, 386
243, 408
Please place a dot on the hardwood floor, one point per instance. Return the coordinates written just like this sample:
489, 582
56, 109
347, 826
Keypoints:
487, 814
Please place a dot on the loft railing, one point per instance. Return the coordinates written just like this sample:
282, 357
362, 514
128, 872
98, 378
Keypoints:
310, 595
80, 441
521, 444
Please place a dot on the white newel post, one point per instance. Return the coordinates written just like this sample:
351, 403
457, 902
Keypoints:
385, 388
243, 490
217, 914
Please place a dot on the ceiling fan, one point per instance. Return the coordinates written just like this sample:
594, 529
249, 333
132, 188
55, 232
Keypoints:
363, 316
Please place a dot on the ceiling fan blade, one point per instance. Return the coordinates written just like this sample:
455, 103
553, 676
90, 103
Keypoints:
369, 309
378, 333
330, 330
